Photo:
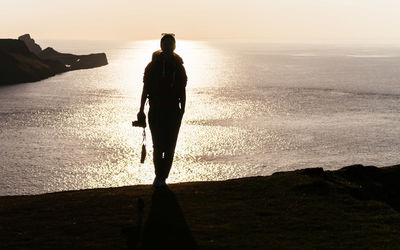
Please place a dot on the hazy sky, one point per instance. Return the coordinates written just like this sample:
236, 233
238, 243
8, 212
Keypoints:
273, 20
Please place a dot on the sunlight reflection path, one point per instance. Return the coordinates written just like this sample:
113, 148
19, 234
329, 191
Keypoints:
123, 165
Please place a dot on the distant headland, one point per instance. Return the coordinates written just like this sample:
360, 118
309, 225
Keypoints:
22, 60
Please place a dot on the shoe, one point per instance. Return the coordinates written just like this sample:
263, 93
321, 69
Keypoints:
159, 182
163, 183
155, 182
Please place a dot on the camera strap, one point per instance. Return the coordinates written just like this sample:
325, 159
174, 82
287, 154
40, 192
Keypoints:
144, 137
144, 152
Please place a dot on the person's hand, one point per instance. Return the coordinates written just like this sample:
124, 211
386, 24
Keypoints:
141, 116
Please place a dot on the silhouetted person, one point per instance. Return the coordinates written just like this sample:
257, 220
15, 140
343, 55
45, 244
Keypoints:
164, 85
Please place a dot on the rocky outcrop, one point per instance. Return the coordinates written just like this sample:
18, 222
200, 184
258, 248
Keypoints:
361, 182
30, 43
18, 64
23, 60
74, 62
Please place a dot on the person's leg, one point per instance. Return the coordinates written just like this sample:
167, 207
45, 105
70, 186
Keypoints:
156, 136
174, 123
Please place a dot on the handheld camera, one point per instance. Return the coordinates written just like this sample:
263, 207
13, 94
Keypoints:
140, 122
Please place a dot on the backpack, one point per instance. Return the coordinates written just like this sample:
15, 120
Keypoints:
164, 79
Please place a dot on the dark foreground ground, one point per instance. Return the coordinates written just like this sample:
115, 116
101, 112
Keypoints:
355, 207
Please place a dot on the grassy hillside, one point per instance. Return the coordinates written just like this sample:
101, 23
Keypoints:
355, 207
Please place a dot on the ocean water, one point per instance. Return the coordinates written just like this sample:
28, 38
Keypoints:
252, 109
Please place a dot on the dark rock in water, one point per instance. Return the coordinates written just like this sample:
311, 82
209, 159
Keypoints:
30, 43
23, 60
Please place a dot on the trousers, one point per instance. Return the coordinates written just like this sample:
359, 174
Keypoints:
164, 126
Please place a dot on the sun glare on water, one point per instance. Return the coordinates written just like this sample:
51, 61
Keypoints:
125, 167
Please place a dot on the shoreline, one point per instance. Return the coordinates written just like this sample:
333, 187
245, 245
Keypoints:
355, 206
94, 189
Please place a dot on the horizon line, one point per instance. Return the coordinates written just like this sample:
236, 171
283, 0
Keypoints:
232, 39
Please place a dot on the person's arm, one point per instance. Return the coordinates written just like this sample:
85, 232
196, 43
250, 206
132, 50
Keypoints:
143, 99
182, 98
146, 79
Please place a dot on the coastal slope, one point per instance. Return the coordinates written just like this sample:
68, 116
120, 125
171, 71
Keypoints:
18, 64
23, 60
354, 207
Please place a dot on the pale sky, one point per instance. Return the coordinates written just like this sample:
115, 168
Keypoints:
271, 20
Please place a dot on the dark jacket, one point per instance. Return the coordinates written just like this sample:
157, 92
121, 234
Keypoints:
165, 80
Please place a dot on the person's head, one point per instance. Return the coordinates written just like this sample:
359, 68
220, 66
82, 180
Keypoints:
167, 43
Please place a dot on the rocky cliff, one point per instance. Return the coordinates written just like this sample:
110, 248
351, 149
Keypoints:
18, 64
30, 43
74, 62
23, 60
